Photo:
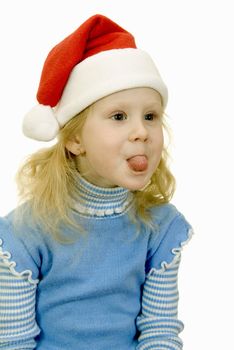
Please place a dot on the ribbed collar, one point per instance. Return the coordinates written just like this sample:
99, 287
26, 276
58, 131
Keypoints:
100, 201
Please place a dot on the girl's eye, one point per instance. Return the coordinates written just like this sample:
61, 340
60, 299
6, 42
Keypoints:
118, 116
150, 116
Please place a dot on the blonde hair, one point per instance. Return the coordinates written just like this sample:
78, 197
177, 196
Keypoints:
47, 178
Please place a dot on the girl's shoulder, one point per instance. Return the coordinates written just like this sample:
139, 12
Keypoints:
163, 215
164, 212
171, 231
20, 217
19, 249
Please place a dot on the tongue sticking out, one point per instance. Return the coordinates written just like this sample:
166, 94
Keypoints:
138, 163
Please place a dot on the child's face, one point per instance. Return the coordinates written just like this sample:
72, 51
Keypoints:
119, 127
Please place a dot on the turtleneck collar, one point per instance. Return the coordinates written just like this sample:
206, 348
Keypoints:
100, 201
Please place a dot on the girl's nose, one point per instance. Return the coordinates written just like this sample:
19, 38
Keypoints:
138, 132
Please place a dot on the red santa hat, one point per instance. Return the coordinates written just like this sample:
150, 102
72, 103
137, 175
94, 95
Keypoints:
96, 60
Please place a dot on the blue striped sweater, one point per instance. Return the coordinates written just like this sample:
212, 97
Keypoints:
112, 289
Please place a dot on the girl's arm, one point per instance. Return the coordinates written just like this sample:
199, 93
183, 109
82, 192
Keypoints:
19, 261
18, 327
158, 322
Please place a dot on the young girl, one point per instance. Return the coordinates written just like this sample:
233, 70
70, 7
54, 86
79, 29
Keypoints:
90, 258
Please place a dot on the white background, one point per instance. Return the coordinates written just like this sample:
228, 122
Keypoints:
192, 44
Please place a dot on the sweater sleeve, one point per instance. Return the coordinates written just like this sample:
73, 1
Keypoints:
158, 322
18, 327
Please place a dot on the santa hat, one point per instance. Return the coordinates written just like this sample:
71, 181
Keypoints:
96, 60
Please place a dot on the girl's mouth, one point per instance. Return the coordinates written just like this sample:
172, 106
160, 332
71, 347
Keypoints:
138, 163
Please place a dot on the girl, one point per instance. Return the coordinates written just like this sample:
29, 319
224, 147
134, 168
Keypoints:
90, 258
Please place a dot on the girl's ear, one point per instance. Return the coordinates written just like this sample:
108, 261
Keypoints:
75, 147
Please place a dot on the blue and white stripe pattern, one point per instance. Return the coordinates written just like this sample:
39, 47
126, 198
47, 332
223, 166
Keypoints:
158, 323
17, 307
100, 201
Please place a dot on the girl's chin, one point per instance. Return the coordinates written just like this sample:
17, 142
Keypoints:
140, 186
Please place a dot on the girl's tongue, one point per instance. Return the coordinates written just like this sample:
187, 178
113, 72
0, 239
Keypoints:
138, 163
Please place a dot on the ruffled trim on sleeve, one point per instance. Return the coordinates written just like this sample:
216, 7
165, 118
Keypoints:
6, 258
176, 251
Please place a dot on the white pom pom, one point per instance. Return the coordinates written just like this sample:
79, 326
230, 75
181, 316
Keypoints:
40, 123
